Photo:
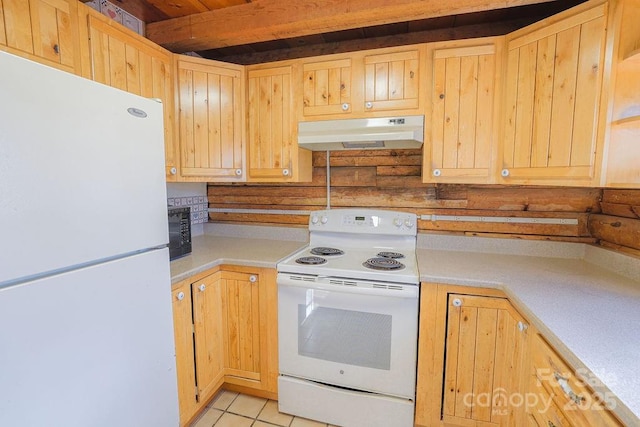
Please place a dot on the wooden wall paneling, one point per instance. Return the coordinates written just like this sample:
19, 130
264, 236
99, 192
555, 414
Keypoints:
390, 179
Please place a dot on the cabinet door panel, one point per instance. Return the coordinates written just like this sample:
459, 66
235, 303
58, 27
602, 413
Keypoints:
207, 321
271, 137
242, 324
460, 130
183, 334
326, 87
552, 103
42, 30
211, 120
485, 357
391, 81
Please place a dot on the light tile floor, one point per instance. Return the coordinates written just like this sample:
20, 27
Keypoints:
229, 409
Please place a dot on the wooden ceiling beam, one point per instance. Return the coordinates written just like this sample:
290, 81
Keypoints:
263, 20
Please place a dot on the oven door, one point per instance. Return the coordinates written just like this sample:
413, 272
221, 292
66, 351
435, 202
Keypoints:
349, 333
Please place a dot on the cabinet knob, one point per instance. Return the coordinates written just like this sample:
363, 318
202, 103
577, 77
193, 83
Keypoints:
238, 172
504, 172
457, 302
437, 172
56, 49
253, 278
368, 105
173, 170
285, 172
180, 296
202, 287
345, 107
522, 326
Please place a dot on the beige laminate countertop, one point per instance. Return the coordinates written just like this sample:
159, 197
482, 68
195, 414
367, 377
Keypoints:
210, 251
590, 314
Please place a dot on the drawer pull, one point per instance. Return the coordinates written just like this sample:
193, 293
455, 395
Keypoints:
564, 385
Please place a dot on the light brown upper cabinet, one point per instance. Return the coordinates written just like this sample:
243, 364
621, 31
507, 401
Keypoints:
327, 87
622, 160
125, 60
45, 31
460, 143
211, 119
272, 150
392, 81
371, 83
552, 99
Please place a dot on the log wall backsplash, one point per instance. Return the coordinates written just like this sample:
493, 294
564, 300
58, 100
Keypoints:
390, 179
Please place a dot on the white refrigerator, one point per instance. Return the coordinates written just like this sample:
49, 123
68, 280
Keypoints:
86, 333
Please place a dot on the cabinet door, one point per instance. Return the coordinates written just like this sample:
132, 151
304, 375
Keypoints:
553, 83
460, 139
210, 97
127, 61
564, 394
183, 334
391, 81
242, 324
326, 87
42, 30
485, 361
272, 142
208, 328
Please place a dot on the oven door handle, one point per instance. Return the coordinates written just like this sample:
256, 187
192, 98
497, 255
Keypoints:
351, 287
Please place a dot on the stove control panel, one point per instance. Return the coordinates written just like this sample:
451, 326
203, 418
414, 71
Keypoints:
372, 221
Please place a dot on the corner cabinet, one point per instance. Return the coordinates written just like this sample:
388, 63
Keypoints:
462, 110
473, 349
225, 327
272, 152
553, 84
211, 120
44, 31
122, 59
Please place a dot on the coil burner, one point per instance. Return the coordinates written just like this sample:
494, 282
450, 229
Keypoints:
311, 260
324, 251
385, 264
392, 255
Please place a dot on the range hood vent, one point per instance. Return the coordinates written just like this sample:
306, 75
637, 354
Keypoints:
362, 134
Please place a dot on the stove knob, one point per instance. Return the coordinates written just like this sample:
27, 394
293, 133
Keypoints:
324, 220
408, 222
314, 219
397, 222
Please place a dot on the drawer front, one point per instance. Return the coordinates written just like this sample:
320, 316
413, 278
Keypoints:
570, 394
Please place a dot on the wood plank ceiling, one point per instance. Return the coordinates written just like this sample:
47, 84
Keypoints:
255, 31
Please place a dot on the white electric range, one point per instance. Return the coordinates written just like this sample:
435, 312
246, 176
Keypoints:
348, 320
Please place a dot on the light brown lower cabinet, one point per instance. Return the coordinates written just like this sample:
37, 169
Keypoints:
481, 364
562, 394
225, 322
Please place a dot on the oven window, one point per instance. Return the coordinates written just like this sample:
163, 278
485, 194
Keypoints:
344, 336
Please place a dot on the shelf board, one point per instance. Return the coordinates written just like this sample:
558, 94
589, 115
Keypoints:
632, 58
632, 121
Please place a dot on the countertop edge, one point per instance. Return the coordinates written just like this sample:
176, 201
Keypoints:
621, 410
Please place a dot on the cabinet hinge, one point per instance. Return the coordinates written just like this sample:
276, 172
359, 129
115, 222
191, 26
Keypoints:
197, 395
193, 329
